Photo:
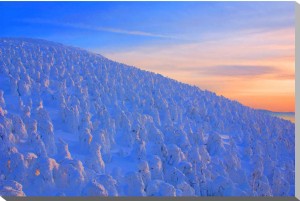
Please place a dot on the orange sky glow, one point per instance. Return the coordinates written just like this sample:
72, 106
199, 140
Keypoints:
257, 68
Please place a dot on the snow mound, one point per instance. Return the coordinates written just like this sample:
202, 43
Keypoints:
75, 123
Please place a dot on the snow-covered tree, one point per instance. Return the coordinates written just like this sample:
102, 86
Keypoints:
214, 144
2, 101
11, 188
63, 150
134, 184
156, 168
94, 159
160, 188
94, 189
109, 183
85, 139
143, 169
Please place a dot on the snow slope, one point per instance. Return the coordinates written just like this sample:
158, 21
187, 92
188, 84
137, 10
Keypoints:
76, 123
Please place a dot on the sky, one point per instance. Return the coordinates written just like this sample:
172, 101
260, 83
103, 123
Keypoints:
242, 50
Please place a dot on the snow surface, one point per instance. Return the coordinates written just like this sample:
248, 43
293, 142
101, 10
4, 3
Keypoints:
75, 123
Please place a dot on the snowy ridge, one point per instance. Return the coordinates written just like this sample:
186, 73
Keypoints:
75, 123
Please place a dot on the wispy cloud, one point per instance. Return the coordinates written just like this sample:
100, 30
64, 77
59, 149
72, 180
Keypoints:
98, 28
228, 71
239, 54
238, 70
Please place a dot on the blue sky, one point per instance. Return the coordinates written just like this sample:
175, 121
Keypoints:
214, 45
122, 24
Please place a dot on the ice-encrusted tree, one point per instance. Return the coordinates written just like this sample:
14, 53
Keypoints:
123, 135
93, 188
11, 188
94, 159
143, 169
71, 118
16, 166
175, 155
2, 101
34, 139
109, 183
160, 188
71, 176
19, 129
45, 128
139, 149
85, 139
214, 144
280, 185
101, 137
42, 175
63, 150
134, 184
